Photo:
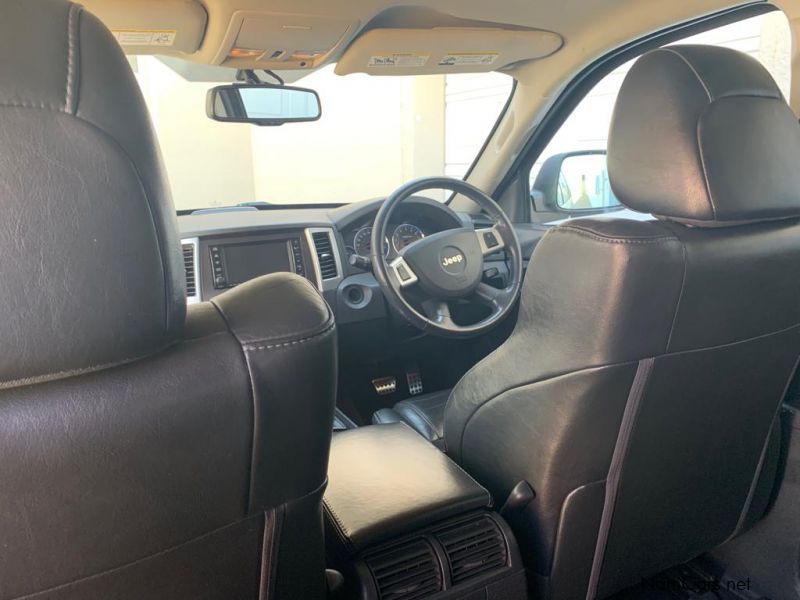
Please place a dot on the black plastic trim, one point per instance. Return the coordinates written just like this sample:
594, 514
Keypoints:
489, 137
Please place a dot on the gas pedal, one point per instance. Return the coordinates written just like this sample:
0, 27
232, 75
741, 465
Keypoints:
414, 380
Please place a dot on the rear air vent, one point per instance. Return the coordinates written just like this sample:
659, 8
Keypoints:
406, 573
189, 265
325, 255
473, 548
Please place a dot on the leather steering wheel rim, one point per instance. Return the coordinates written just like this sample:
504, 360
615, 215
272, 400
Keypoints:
500, 301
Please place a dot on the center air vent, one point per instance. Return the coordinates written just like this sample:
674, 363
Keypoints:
406, 573
473, 548
189, 259
325, 255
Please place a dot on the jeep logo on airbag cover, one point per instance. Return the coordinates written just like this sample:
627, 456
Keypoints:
452, 260
449, 260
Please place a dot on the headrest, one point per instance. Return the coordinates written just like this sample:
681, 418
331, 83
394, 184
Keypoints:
703, 136
91, 269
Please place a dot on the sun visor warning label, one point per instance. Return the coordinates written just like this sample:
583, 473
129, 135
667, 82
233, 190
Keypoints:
399, 59
145, 37
464, 59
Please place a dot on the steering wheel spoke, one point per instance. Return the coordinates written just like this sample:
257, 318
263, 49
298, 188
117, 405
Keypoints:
490, 240
495, 298
438, 311
404, 275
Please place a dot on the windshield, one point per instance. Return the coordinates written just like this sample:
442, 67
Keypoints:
375, 133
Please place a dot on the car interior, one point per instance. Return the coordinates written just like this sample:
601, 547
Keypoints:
374, 300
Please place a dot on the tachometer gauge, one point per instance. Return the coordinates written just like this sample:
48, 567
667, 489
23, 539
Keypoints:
405, 235
362, 242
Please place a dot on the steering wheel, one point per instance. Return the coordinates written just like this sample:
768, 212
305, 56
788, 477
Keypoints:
446, 266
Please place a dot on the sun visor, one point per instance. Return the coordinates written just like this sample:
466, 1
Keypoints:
389, 51
153, 26
259, 40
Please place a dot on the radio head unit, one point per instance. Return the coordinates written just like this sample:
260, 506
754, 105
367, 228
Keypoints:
235, 263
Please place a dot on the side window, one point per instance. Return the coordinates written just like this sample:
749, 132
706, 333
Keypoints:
570, 178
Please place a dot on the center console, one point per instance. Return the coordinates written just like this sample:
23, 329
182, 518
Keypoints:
403, 521
215, 263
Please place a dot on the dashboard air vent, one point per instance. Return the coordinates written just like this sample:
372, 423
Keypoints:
189, 253
473, 548
327, 260
406, 573
481, 221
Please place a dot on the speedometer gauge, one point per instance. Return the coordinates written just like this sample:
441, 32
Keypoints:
405, 235
362, 242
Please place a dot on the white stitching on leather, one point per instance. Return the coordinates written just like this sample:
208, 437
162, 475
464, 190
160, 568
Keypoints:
610, 240
291, 342
69, 95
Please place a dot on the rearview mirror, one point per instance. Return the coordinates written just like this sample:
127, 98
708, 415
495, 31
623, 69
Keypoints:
576, 182
262, 104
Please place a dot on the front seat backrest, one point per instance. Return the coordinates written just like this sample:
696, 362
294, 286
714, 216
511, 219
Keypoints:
144, 452
639, 389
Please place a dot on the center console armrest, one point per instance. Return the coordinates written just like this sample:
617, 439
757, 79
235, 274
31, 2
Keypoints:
386, 480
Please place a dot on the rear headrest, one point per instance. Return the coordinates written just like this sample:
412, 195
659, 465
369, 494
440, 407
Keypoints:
92, 273
703, 136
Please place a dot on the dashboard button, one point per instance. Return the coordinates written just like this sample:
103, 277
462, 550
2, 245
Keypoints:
403, 273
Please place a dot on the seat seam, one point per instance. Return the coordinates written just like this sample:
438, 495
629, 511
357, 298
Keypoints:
692, 68
614, 240
626, 428
68, 584
339, 528
72, 28
680, 296
249, 498
324, 332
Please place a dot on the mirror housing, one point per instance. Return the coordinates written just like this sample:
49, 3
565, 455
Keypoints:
576, 182
262, 104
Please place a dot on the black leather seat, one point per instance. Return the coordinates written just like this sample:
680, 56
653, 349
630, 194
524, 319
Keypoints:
424, 413
638, 393
144, 452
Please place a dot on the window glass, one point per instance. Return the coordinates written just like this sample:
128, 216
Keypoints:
375, 133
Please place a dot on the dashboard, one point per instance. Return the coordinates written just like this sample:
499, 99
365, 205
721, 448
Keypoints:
226, 248
406, 227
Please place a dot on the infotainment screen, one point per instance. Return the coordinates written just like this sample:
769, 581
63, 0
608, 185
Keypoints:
249, 260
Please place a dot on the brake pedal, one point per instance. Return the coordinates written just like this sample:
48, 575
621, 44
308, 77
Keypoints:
384, 385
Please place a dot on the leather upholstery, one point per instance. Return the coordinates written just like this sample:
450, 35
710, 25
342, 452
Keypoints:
719, 145
385, 480
341, 421
145, 452
639, 389
425, 414
98, 279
